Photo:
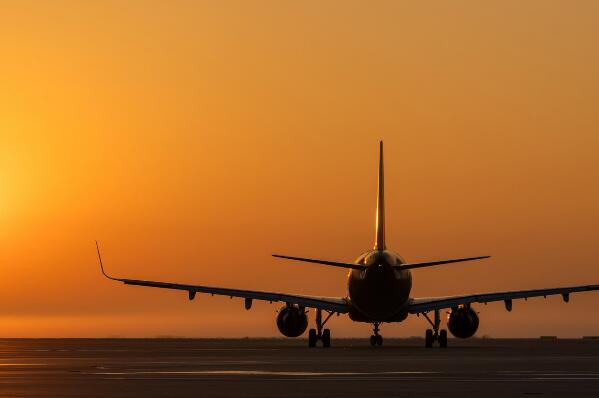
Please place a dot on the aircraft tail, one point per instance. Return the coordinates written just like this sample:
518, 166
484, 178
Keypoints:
379, 241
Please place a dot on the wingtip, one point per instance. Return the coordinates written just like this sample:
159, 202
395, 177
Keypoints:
102, 265
100, 259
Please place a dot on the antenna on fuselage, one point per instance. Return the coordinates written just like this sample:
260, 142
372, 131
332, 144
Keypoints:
379, 240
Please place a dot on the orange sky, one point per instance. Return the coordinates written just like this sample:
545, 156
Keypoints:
193, 140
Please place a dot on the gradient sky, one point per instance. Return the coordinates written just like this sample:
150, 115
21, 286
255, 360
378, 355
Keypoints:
194, 139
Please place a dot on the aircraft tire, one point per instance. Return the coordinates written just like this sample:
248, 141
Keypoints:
443, 338
326, 338
379, 340
373, 340
428, 338
312, 338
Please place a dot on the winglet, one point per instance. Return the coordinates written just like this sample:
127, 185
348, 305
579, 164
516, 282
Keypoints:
102, 266
379, 242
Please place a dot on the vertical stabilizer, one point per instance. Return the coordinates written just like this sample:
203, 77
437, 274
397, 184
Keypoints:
379, 242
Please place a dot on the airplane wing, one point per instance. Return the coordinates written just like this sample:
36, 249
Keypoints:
332, 304
425, 304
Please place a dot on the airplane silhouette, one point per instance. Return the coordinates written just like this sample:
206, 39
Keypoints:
378, 291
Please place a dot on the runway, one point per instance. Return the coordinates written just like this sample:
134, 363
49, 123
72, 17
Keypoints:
277, 367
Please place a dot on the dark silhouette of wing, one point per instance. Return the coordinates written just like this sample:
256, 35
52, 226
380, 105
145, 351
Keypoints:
333, 304
425, 304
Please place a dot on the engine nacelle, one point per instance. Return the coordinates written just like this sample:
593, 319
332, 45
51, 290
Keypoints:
462, 322
292, 321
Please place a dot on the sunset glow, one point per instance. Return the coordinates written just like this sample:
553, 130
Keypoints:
194, 140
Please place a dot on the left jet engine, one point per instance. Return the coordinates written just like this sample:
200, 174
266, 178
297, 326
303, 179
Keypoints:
292, 321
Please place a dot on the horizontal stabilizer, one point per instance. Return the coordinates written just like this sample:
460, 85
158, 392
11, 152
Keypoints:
310, 260
431, 263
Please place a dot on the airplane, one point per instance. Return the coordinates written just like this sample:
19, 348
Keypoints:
378, 291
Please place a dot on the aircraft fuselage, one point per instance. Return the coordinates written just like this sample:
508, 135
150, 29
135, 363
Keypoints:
379, 292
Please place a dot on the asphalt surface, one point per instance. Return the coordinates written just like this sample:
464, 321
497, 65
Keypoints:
277, 367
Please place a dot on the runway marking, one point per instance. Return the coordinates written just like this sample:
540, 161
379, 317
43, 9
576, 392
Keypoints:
258, 373
568, 374
366, 378
202, 362
432, 376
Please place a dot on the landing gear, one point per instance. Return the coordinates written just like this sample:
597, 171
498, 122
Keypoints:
376, 338
319, 333
435, 334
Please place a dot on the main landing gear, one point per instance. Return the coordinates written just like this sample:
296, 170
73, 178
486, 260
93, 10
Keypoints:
376, 338
319, 333
435, 334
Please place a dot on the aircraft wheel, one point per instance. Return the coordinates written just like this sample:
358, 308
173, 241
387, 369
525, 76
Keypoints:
312, 338
326, 338
428, 338
443, 338
373, 340
379, 339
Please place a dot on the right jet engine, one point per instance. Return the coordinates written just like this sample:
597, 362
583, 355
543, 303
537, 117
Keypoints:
462, 322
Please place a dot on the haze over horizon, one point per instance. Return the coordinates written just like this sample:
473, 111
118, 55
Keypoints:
194, 140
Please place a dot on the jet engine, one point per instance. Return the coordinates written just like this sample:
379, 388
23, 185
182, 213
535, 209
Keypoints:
462, 322
292, 321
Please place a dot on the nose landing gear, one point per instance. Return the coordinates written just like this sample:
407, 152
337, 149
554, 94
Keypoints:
376, 338
319, 333
435, 334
